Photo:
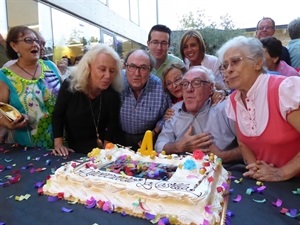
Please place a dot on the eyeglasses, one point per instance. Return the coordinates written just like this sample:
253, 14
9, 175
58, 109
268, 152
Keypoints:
30, 41
265, 28
133, 68
157, 43
196, 83
175, 82
234, 61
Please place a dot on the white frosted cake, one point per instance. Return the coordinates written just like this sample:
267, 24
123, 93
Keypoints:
182, 189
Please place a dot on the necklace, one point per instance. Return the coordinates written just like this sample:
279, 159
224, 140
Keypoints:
96, 123
32, 75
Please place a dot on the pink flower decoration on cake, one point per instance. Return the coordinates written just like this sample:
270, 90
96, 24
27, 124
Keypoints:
198, 154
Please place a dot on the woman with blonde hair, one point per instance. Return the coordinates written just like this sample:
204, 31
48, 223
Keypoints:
193, 53
88, 104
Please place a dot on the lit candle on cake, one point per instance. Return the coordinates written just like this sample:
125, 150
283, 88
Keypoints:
147, 144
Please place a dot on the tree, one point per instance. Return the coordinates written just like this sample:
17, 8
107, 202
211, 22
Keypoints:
214, 34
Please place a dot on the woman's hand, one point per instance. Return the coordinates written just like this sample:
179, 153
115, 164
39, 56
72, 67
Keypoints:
61, 150
18, 123
218, 96
169, 113
264, 172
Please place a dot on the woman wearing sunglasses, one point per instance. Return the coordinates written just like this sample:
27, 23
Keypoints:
31, 87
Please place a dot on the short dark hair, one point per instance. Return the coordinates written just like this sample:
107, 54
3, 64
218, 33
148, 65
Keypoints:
151, 58
160, 28
294, 28
273, 46
266, 18
13, 34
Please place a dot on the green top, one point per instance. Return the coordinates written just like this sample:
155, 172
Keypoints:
171, 59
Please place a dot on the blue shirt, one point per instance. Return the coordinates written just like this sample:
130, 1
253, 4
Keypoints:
147, 112
211, 119
294, 50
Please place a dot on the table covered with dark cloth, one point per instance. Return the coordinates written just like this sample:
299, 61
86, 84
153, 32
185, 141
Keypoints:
21, 170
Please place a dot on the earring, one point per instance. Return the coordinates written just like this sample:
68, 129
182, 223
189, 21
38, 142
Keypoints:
19, 55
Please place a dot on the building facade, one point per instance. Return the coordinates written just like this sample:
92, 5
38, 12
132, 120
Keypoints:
70, 27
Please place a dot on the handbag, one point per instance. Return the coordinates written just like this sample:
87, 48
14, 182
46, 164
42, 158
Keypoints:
9, 112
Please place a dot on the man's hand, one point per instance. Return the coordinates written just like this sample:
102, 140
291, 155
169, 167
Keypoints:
190, 142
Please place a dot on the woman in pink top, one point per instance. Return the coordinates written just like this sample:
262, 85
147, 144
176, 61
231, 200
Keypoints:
273, 49
266, 109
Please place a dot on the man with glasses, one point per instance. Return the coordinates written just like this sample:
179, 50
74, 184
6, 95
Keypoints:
143, 100
159, 39
197, 124
266, 28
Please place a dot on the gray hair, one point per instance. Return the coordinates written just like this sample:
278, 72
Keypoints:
208, 73
81, 72
251, 46
294, 28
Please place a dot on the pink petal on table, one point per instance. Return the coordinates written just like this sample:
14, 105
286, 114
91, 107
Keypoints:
261, 188
238, 198
278, 203
284, 210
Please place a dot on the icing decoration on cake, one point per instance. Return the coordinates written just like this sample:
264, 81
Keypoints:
178, 189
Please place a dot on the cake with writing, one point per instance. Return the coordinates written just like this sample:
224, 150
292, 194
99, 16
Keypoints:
178, 189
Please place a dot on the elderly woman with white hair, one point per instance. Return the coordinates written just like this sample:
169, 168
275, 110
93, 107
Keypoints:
88, 103
266, 109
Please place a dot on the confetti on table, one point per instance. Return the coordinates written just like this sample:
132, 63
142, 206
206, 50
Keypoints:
238, 181
163, 221
90, 203
67, 210
292, 213
40, 169
249, 191
52, 198
259, 200
149, 216
259, 183
39, 184
22, 197
238, 198
297, 191
75, 201
278, 203
284, 210
261, 188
